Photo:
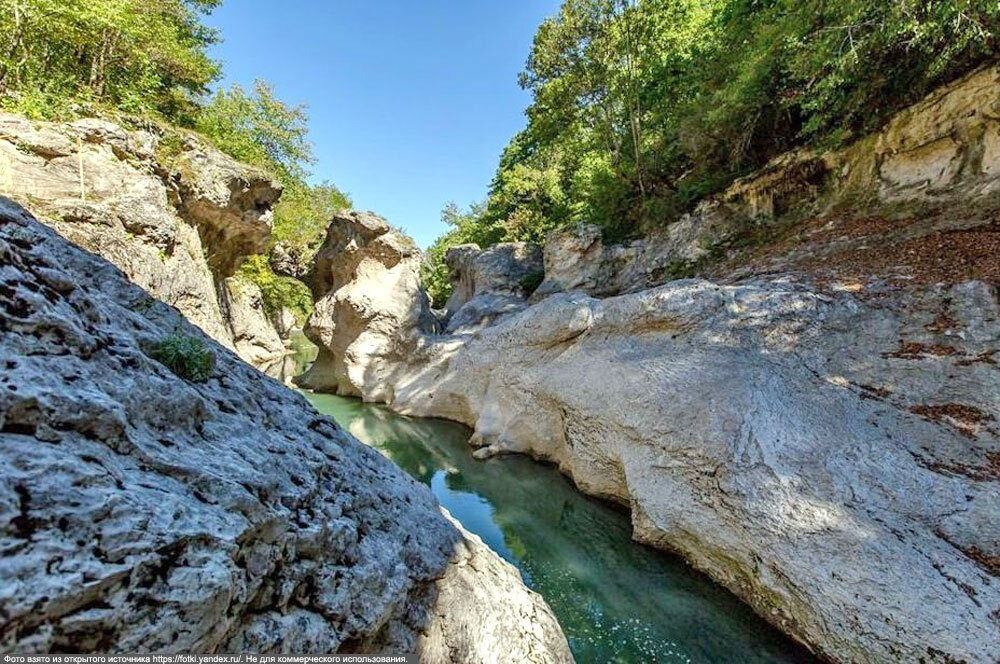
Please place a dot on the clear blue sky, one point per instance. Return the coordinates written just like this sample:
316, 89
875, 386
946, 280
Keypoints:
411, 101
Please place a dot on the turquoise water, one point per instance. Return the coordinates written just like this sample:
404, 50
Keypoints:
616, 600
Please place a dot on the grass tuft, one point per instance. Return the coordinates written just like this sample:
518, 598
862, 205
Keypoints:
185, 355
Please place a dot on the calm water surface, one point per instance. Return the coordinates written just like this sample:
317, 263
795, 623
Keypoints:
616, 600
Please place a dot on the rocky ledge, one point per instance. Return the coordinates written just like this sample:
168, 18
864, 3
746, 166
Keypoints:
143, 512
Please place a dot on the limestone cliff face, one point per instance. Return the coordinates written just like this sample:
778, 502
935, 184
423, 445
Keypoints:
370, 308
140, 512
488, 284
177, 219
816, 428
819, 454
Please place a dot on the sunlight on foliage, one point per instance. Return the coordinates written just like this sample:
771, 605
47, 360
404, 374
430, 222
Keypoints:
642, 108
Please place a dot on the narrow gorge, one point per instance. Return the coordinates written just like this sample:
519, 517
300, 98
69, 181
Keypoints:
812, 422
322, 341
144, 512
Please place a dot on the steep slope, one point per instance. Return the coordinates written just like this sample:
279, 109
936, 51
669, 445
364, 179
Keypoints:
175, 215
143, 512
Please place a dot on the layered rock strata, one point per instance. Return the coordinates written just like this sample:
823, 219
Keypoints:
174, 214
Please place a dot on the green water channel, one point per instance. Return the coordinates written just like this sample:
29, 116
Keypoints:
617, 601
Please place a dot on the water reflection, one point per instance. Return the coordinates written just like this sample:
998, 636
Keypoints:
616, 600
295, 363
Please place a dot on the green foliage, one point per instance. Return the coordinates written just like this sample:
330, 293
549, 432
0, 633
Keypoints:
304, 212
641, 108
185, 355
66, 58
277, 292
63, 57
465, 227
258, 128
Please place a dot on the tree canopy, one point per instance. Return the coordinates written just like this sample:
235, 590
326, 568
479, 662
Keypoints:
131, 55
640, 108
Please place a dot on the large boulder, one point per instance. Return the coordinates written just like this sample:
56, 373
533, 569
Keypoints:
142, 512
370, 308
176, 215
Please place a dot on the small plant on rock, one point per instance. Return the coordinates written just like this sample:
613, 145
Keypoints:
185, 355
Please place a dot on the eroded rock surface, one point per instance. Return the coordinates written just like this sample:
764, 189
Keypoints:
370, 308
175, 215
826, 447
488, 284
848, 491
140, 512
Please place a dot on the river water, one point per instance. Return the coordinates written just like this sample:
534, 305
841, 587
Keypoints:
616, 600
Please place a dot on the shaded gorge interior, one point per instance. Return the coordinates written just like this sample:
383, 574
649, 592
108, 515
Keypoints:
617, 601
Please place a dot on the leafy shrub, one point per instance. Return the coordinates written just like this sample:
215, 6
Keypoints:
185, 355
276, 291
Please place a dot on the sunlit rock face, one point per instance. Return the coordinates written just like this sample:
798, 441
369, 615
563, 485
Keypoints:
827, 450
175, 215
848, 491
370, 311
489, 284
140, 512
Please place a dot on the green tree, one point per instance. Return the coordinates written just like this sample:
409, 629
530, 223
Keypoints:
640, 108
465, 227
258, 128
127, 55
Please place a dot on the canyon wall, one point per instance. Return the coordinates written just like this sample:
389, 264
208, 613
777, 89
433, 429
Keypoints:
174, 214
815, 427
942, 154
144, 512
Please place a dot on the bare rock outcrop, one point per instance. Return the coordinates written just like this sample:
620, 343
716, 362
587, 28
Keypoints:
174, 214
488, 284
255, 336
848, 492
140, 512
826, 448
370, 309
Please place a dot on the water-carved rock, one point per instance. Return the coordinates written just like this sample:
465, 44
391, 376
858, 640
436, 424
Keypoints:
176, 215
821, 438
370, 309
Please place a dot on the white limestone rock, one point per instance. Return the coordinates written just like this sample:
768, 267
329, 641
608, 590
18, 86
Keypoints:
177, 221
140, 512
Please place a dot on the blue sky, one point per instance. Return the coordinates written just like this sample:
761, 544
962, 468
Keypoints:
411, 101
